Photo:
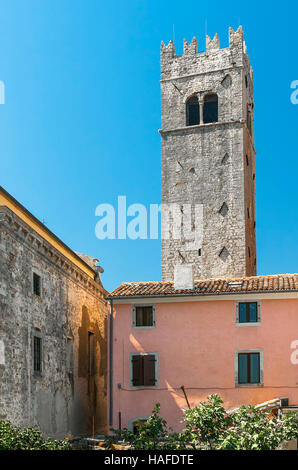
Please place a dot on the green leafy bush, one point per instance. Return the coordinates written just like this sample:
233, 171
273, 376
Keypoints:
209, 426
153, 434
30, 438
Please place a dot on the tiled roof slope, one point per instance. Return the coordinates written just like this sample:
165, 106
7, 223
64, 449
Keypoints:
272, 283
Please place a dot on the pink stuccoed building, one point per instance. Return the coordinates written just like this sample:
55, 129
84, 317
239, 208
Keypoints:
234, 337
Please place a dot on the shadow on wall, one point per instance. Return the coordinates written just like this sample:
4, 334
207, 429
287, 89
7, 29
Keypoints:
92, 366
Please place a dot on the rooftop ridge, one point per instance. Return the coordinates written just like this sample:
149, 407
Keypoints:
266, 283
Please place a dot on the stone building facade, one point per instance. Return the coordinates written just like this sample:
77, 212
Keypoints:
53, 350
208, 161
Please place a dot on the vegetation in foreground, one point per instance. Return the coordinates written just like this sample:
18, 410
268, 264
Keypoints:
30, 438
210, 427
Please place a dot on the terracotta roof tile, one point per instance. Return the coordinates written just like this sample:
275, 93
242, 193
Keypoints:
271, 283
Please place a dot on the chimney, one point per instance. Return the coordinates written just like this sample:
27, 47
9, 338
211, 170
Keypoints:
183, 277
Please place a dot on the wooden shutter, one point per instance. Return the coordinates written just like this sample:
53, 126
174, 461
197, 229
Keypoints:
134, 317
149, 370
137, 371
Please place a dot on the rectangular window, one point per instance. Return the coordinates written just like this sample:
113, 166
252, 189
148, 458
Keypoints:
36, 284
91, 353
143, 316
37, 354
69, 355
248, 312
249, 368
144, 370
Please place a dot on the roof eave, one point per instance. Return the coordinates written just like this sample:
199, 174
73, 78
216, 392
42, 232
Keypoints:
169, 296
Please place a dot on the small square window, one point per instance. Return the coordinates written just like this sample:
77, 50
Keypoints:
36, 284
248, 313
143, 316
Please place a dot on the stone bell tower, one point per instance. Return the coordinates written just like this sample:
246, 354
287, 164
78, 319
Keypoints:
208, 159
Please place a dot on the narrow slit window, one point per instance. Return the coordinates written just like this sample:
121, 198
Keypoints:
36, 284
37, 354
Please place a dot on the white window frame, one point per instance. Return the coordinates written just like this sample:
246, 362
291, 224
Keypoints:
248, 301
134, 320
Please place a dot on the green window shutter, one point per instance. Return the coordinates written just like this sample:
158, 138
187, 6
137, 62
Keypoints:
243, 368
255, 368
253, 312
149, 370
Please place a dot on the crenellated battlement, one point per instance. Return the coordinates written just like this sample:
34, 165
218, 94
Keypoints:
192, 61
235, 42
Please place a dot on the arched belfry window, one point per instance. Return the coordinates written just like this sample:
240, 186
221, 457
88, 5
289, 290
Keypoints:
210, 108
192, 111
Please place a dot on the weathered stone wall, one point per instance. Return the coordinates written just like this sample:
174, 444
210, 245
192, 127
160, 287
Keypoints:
206, 164
65, 398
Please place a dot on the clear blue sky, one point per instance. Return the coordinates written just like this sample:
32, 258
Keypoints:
79, 126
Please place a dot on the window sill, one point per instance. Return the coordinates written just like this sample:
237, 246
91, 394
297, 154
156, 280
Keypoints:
143, 387
144, 327
37, 375
256, 323
198, 126
256, 385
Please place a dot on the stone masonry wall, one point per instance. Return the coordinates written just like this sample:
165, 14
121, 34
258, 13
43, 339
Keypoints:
206, 164
65, 398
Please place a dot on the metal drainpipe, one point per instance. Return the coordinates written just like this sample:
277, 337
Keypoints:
111, 363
